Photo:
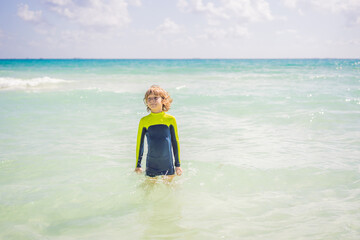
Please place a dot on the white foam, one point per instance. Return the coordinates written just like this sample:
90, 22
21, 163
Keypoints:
180, 87
34, 83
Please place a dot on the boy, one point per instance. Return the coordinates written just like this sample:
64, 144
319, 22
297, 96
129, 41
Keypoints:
161, 133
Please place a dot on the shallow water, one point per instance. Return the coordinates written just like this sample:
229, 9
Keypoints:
269, 148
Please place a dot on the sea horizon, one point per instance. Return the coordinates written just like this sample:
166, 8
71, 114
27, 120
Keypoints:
194, 58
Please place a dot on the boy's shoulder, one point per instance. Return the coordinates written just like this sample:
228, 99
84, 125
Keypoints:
169, 116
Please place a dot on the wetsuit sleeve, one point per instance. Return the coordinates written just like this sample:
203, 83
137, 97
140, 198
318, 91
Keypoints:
140, 144
175, 142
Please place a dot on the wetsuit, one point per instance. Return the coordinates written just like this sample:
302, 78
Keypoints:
161, 133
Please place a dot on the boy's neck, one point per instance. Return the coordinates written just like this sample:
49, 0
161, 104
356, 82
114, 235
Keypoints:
159, 110
156, 112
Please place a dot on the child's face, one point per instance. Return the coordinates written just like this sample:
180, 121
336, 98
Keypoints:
154, 102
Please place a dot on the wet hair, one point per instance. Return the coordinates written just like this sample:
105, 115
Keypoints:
158, 91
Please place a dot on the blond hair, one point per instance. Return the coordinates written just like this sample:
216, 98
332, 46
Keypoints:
158, 91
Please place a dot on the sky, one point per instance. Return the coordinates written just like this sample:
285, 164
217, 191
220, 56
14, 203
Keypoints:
179, 28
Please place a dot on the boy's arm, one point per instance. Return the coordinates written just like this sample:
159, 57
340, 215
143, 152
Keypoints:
140, 144
175, 142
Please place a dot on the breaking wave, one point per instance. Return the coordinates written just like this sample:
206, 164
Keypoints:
34, 83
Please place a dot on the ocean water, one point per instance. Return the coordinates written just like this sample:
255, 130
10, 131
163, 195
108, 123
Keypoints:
270, 150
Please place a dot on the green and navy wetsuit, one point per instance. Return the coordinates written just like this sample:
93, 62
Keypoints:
161, 133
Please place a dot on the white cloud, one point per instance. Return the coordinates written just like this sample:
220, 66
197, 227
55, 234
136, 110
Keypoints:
244, 10
227, 18
210, 9
338, 43
28, 15
136, 3
331, 5
59, 2
215, 33
1, 36
236, 31
350, 8
290, 3
182, 5
337, 5
65, 38
252, 11
95, 13
169, 26
88, 24
355, 42
287, 31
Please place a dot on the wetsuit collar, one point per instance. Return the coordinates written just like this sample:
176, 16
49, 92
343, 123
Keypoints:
157, 114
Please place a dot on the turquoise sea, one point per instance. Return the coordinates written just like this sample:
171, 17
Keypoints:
270, 150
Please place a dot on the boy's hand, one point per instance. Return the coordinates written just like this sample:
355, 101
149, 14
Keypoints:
138, 170
178, 171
